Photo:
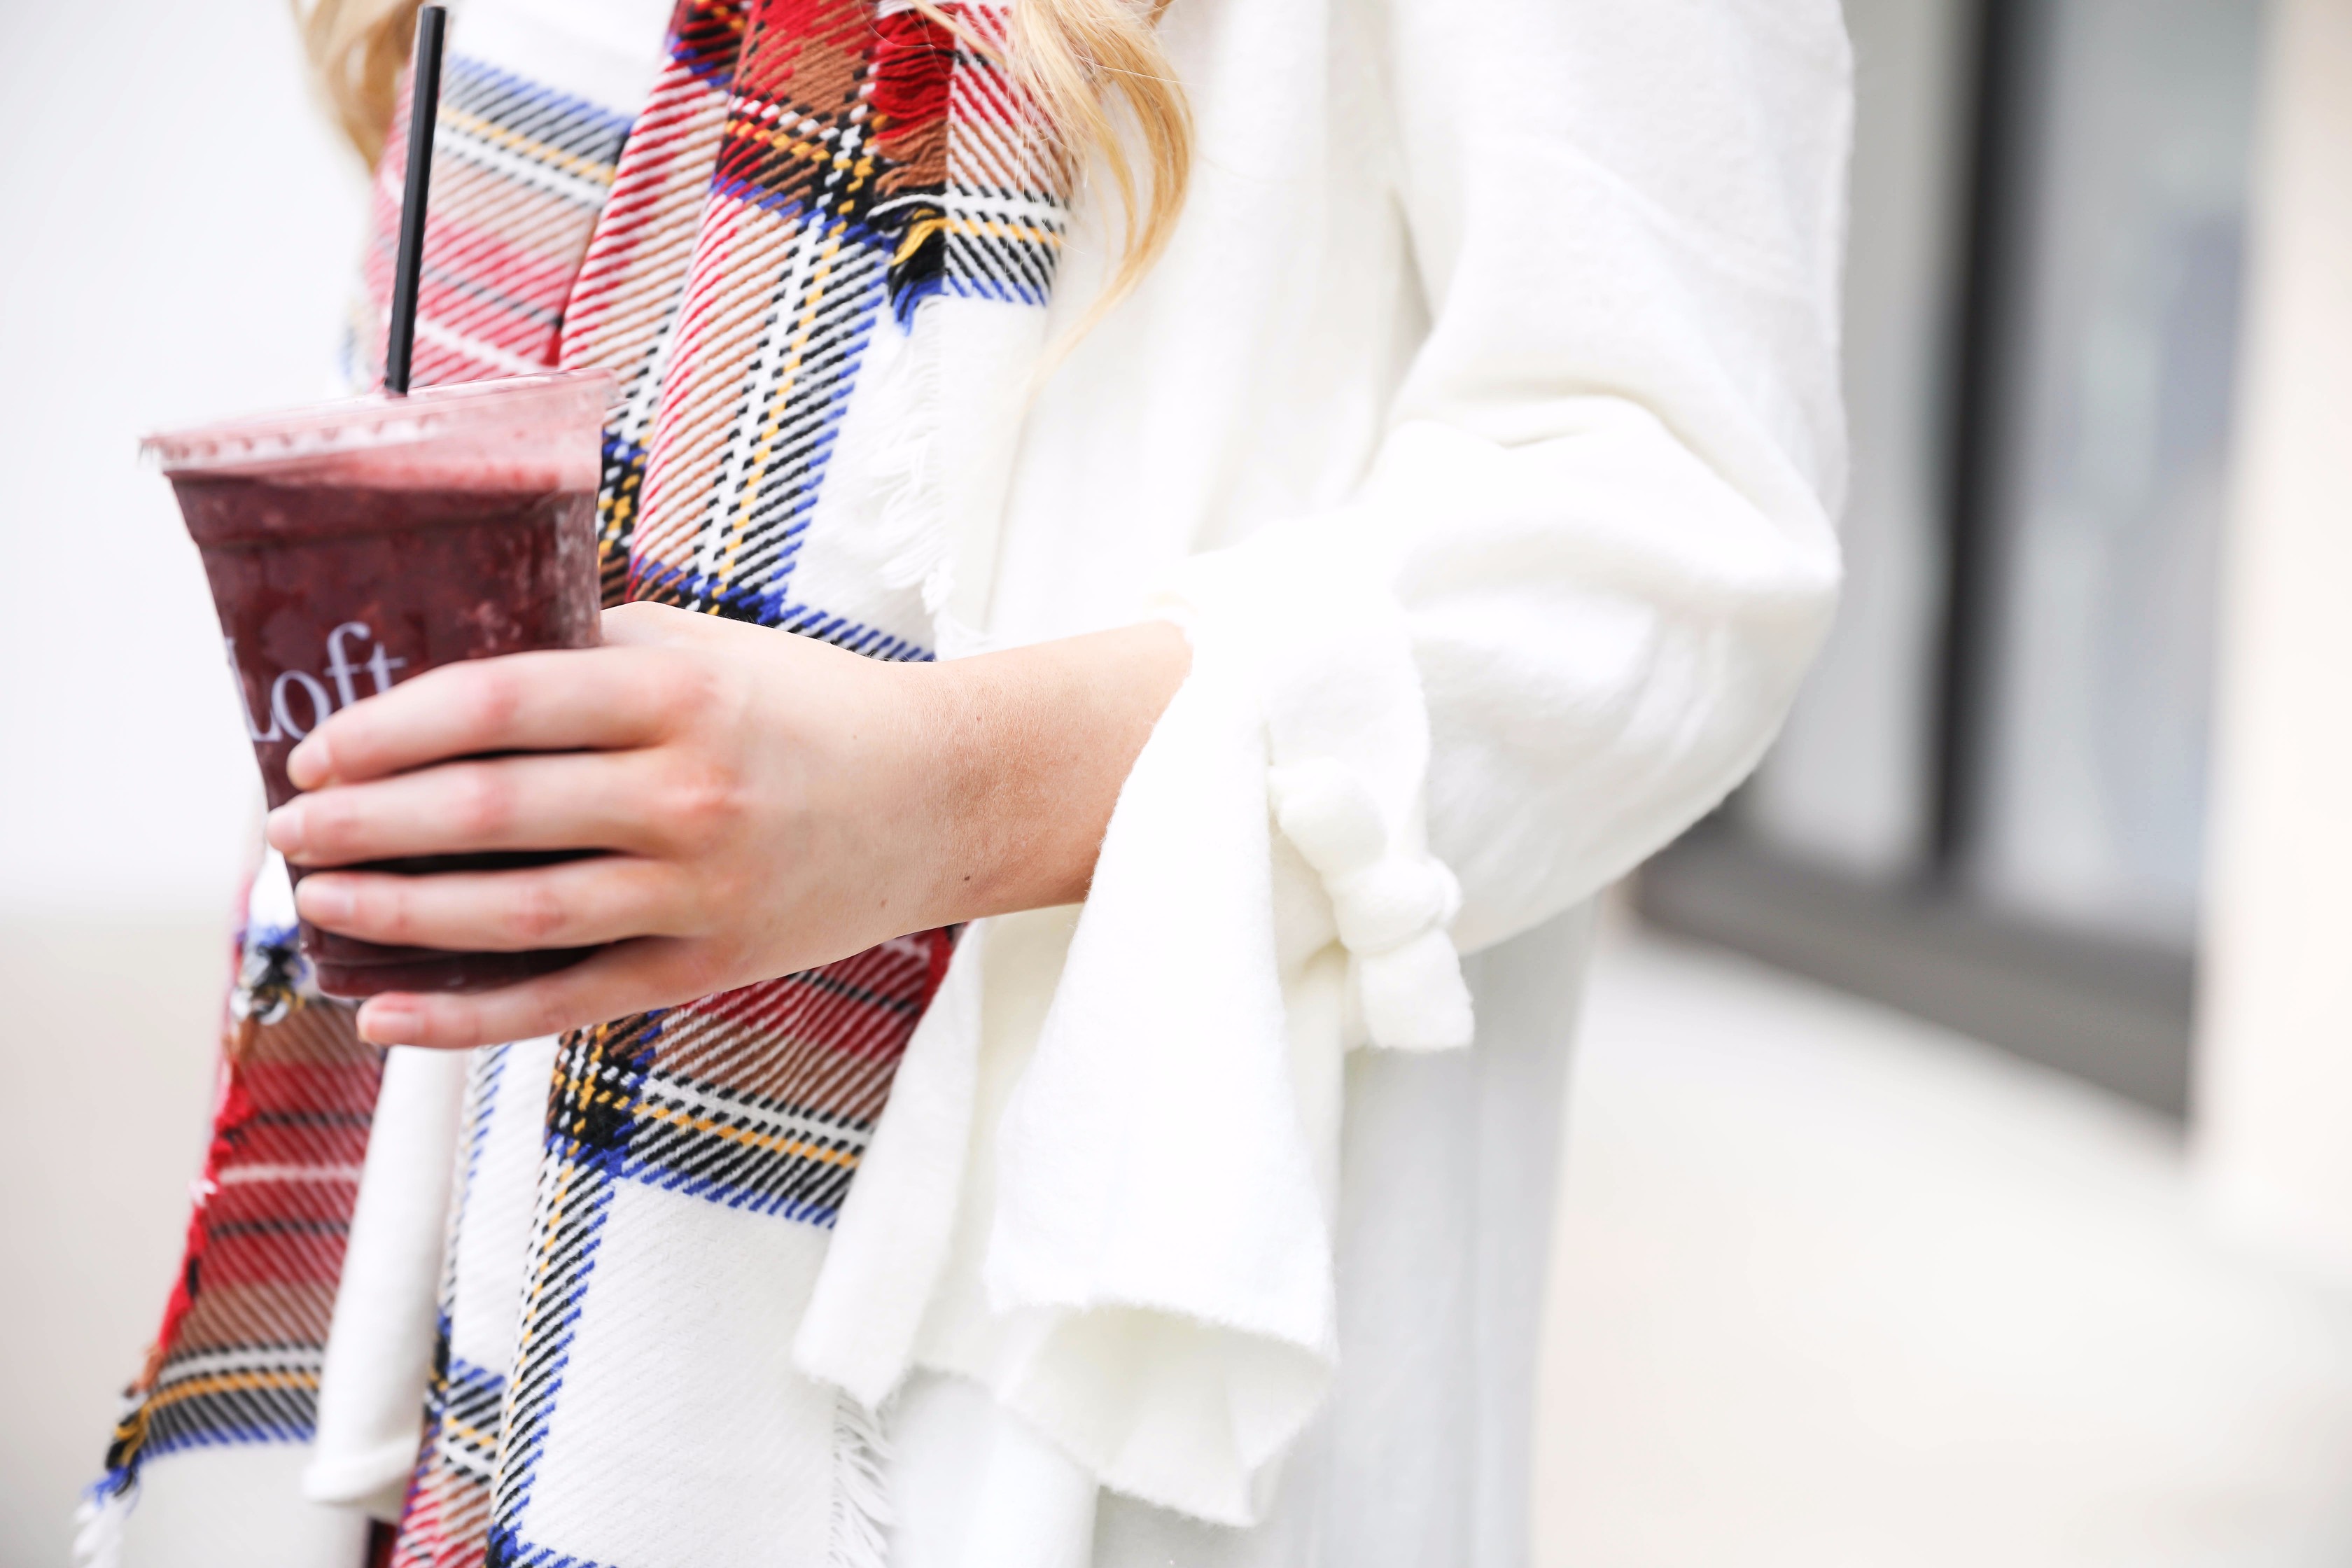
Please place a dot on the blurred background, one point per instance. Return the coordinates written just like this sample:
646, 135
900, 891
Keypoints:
1960, 1153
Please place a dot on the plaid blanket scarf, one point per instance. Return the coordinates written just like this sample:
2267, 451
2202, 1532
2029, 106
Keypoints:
816, 256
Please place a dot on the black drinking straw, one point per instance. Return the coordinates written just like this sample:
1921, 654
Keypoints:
408, 263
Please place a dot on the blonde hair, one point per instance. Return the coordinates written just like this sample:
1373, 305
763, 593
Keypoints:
1095, 68
356, 49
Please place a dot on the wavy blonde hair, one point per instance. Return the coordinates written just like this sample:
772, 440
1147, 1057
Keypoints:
1103, 84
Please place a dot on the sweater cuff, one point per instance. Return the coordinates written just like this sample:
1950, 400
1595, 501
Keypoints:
1308, 609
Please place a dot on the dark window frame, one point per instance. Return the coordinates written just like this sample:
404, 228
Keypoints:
2118, 1014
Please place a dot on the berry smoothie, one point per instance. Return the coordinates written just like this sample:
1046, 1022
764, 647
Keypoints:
355, 545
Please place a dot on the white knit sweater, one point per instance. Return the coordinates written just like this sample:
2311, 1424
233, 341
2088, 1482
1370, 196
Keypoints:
1482, 425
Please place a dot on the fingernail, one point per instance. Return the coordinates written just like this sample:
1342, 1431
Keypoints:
284, 830
306, 766
390, 1023
323, 903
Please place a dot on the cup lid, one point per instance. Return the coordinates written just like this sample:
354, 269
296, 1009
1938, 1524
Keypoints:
297, 438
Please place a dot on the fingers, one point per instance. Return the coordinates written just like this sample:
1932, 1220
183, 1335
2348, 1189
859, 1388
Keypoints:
641, 625
574, 800
633, 977
576, 903
568, 699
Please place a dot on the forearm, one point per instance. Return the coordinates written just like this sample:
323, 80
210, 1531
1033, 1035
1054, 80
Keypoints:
763, 804
1035, 742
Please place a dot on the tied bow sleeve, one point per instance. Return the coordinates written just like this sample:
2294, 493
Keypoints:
1392, 907
1560, 618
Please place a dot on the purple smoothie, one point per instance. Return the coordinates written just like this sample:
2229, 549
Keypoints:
354, 546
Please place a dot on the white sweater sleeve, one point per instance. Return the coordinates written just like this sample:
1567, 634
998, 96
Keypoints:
1560, 619
1602, 512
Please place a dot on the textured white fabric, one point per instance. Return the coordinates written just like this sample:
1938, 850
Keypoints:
380, 1350
1419, 1457
707, 1408
1507, 337
896, 1226
1334, 684
1160, 1223
975, 1488
501, 1166
1481, 427
237, 1508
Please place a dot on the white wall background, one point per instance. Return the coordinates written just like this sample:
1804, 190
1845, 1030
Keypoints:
177, 229
2275, 1047
181, 229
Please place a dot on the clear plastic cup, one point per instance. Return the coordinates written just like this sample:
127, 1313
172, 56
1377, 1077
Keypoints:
354, 545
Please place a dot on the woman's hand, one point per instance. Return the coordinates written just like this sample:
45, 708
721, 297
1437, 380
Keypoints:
768, 804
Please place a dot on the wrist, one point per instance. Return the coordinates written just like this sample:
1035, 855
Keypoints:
1026, 750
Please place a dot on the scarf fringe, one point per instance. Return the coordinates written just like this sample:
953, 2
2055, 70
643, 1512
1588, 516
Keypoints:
906, 474
100, 1522
861, 1488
